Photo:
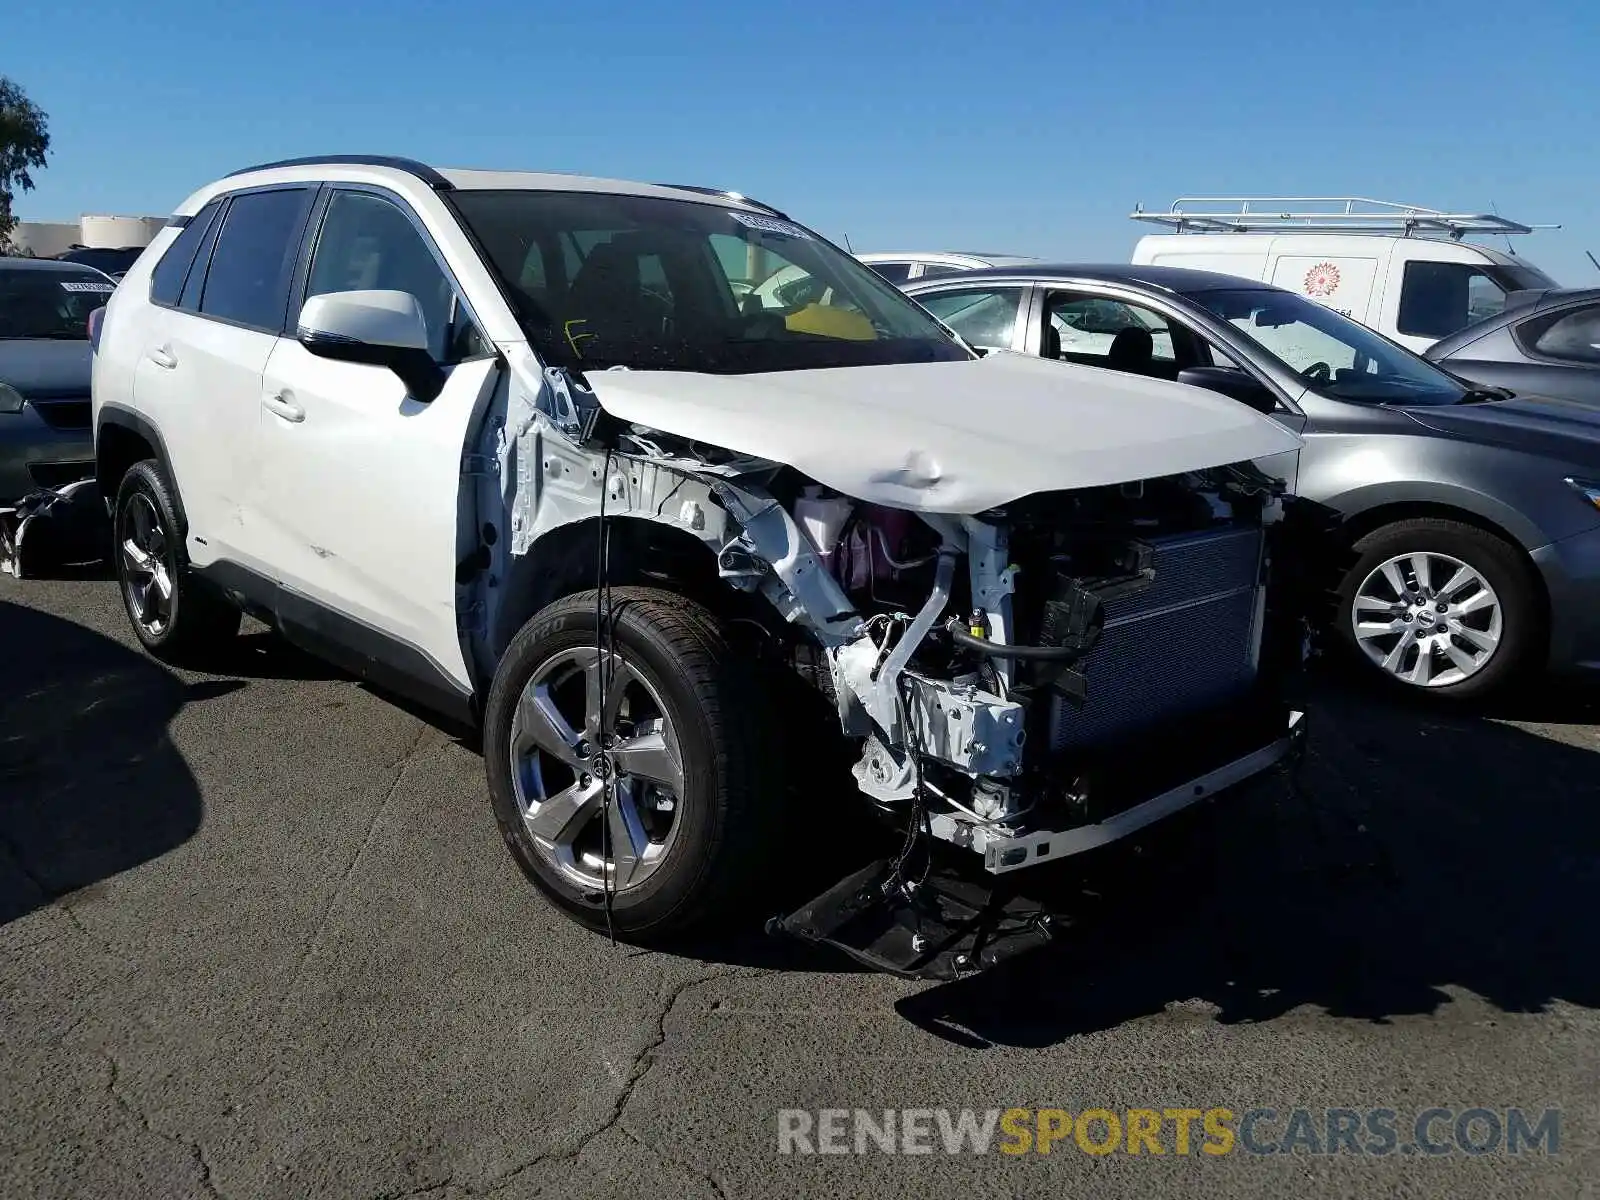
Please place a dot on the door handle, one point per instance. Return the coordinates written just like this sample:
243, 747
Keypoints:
286, 408
163, 357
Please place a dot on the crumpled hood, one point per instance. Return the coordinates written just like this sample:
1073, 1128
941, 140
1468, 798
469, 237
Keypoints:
1562, 429
951, 437
45, 366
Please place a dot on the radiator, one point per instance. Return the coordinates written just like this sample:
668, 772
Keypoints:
1186, 643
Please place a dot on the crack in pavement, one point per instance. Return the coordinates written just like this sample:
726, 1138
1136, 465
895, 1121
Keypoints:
708, 1179
314, 941
194, 1149
643, 1062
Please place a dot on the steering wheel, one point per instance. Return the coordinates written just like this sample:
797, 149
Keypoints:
1319, 372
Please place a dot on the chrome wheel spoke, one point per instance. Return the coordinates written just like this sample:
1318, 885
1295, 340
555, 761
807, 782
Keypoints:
605, 679
1392, 660
538, 724
558, 819
1463, 576
1476, 602
649, 756
136, 558
1421, 571
1483, 639
1365, 630
1422, 670
1391, 573
1465, 663
626, 837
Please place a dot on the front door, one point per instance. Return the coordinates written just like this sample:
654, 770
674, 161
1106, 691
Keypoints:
360, 488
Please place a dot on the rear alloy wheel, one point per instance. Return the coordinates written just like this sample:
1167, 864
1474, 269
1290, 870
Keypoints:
176, 616
1441, 607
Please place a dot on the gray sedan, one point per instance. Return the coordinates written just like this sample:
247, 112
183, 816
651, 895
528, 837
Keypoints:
46, 436
1465, 550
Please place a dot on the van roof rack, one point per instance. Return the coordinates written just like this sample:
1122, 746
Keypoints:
1322, 214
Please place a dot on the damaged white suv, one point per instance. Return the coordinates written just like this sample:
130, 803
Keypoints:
541, 451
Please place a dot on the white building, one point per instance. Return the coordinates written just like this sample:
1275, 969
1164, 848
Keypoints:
46, 239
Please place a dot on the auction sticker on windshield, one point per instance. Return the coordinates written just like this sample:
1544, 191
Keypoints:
770, 225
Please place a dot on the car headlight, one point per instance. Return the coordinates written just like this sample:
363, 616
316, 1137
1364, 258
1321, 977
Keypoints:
1587, 488
10, 399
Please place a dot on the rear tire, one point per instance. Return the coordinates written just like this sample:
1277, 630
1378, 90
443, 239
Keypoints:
1477, 612
177, 616
709, 839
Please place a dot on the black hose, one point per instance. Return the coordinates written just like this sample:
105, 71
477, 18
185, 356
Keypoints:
995, 650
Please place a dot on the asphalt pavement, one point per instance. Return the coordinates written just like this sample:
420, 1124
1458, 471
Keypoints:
259, 937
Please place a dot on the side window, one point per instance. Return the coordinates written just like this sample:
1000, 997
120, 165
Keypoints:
1101, 332
894, 272
166, 281
933, 270
986, 317
1437, 298
248, 279
367, 242
1571, 336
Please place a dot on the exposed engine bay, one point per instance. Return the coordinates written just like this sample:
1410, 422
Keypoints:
1021, 683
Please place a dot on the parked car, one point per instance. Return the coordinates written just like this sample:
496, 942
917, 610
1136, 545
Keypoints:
1404, 270
113, 260
506, 442
46, 438
1545, 342
900, 266
1474, 519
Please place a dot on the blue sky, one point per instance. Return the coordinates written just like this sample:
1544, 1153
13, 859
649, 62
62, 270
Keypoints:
1030, 128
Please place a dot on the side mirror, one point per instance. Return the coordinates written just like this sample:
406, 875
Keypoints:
379, 328
1233, 383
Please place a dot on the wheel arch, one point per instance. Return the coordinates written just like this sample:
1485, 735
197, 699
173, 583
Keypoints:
567, 560
123, 437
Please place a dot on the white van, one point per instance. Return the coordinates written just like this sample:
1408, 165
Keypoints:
1403, 270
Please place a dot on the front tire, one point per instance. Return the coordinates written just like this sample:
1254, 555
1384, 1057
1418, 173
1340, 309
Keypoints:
176, 616
662, 799
1441, 608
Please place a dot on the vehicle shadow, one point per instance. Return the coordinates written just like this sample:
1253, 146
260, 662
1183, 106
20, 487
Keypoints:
90, 785
1424, 852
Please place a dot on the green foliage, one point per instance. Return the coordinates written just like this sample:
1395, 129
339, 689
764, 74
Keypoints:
24, 143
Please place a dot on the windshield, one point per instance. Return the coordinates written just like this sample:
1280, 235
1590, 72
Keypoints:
49, 304
602, 280
1334, 355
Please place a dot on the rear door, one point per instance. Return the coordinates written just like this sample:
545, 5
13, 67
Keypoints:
199, 376
360, 492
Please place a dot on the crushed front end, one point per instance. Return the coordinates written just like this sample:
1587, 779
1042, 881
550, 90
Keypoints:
1037, 681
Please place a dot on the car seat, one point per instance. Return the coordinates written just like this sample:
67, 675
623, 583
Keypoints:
1133, 350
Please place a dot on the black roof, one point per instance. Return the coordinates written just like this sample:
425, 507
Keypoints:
1181, 280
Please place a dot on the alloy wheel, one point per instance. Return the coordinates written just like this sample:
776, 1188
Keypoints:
596, 769
146, 566
1427, 619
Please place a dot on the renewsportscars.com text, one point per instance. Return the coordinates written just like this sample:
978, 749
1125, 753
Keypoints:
1216, 1131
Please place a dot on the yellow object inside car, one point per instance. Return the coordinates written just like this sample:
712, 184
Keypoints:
827, 321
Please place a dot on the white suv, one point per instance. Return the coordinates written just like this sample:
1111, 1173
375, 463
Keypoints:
539, 451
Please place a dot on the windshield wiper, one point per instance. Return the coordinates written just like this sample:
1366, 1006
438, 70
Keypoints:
1485, 395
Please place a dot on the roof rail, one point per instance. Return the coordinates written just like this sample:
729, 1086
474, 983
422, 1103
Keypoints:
409, 165
710, 191
1331, 214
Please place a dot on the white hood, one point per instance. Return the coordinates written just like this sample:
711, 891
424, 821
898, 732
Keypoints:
952, 437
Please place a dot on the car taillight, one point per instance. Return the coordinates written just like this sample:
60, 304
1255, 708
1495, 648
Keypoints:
97, 320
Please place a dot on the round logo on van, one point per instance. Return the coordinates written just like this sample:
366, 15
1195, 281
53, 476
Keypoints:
1322, 280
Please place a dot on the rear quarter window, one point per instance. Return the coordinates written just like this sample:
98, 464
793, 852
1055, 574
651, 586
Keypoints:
166, 281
